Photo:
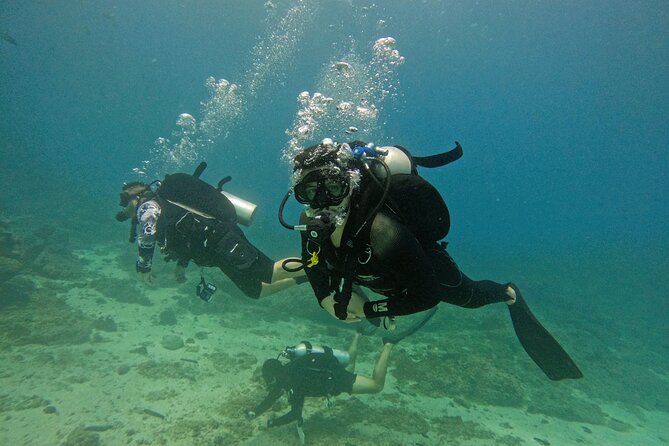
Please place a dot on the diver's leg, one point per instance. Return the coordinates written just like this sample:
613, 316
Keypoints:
353, 352
539, 344
244, 264
460, 290
375, 384
477, 293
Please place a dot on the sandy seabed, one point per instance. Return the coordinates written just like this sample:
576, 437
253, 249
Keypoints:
92, 357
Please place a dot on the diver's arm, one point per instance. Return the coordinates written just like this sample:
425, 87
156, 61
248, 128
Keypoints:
401, 254
296, 403
265, 404
281, 278
147, 216
355, 302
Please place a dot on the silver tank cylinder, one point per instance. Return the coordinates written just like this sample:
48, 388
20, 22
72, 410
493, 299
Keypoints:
396, 160
302, 349
245, 210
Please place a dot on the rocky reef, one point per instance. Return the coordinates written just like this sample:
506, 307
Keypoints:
11, 253
28, 256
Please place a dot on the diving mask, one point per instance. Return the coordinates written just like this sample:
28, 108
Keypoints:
320, 190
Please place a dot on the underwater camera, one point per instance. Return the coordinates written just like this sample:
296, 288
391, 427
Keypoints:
205, 290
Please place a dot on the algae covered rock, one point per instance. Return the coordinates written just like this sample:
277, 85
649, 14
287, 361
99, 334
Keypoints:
44, 320
172, 342
82, 437
16, 291
168, 370
10, 246
123, 291
167, 317
9, 268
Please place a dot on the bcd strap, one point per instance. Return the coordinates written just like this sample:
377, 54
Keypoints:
343, 297
343, 293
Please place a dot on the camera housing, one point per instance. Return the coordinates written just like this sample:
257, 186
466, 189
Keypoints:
205, 290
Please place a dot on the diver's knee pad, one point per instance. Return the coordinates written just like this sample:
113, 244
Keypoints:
234, 250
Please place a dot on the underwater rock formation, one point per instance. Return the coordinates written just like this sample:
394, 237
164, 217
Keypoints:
10, 254
82, 437
9, 268
8, 243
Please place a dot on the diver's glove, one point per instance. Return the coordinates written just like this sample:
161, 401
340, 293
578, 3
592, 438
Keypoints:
341, 305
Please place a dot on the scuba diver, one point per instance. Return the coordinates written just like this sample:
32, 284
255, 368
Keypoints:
372, 221
320, 371
192, 220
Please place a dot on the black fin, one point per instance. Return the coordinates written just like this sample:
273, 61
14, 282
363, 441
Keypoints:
441, 159
539, 344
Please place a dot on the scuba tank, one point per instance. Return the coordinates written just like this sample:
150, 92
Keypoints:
305, 348
397, 160
245, 210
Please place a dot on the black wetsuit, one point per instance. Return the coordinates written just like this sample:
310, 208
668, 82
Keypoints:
185, 236
413, 276
311, 375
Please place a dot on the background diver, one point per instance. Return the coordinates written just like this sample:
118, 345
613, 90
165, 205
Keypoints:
192, 220
372, 221
315, 371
